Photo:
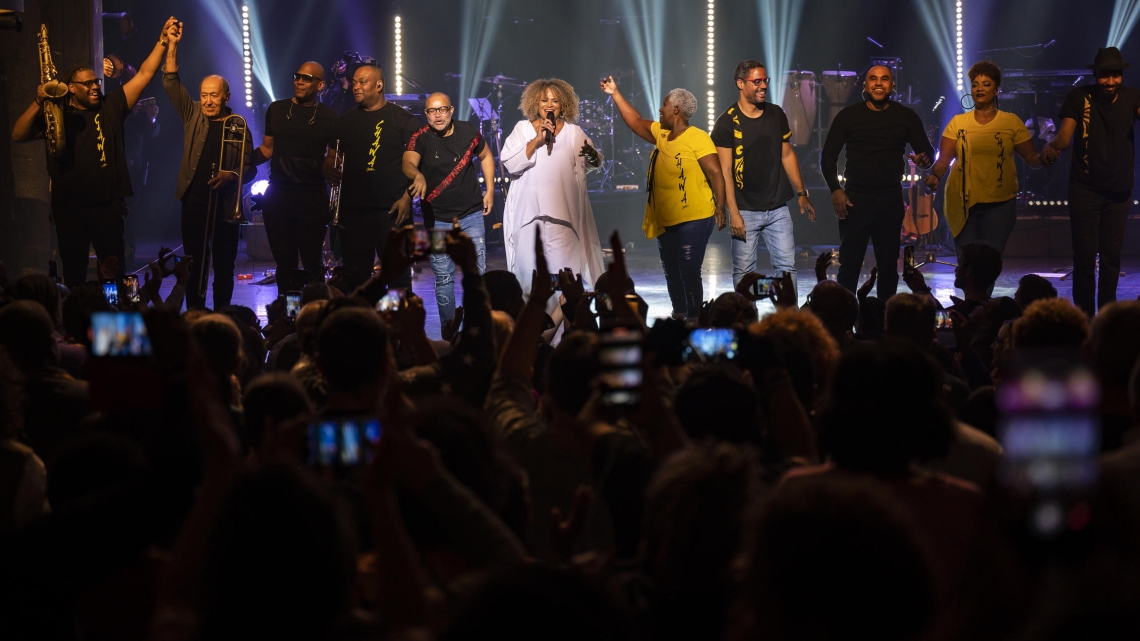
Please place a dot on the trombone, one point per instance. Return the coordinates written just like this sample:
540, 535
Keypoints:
334, 192
231, 159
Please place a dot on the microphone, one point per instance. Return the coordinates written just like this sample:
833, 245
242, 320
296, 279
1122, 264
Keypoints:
938, 103
872, 41
549, 134
1078, 81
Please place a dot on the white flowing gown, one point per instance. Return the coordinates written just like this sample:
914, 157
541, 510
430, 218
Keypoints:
549, 192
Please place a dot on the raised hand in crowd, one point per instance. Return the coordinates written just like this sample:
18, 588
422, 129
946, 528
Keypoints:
784, 294
822, 262
449, 329
868, 285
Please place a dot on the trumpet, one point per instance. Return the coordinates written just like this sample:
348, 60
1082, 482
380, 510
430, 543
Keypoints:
231, 159
334, 193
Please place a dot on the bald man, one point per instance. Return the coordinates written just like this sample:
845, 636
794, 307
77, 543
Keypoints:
298, 132
202, 127
869, 205
440, 163
374, 191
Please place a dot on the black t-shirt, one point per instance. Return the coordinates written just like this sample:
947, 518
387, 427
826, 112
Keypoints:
450, 168
198, 193
300, 137
93, 167
373, 143
876, 146
766, 184
1104, 152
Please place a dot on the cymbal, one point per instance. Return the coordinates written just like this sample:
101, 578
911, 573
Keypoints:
504, 80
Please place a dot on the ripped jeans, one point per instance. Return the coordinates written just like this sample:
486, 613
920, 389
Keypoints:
444, 267
682, 249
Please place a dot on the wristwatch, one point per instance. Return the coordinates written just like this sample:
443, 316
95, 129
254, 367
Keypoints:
802, 194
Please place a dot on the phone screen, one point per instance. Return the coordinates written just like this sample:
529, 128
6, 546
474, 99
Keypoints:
942, 320
908, 259
1050, 429
712, 345
292, 304
620, 358
111, 291
421, 242
343, 441
762, 288
119, 334
131, 284
392, 301
602, 304
439, 241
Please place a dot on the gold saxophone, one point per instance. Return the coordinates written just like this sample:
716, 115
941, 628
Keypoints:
53, 111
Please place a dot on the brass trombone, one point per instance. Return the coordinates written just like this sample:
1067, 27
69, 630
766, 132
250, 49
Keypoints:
334, 193
231, 159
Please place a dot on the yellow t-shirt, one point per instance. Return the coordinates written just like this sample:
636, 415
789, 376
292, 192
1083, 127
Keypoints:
678, 190
985, 155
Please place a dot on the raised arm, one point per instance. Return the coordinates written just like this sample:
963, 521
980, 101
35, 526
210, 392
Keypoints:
629, 114
170, 80
134, 87
29, 125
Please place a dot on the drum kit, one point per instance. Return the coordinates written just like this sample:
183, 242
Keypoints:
807, 100
623, 164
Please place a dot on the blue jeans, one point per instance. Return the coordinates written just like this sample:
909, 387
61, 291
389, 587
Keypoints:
444, 267
682, 249
776, 227
990, 223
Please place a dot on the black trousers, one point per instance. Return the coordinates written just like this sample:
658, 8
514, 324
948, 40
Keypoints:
875, 217
222, 258
1097, 220
78, 228
362, 239
295, 224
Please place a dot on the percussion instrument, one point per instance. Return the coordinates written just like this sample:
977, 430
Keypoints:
838, 87
799, 104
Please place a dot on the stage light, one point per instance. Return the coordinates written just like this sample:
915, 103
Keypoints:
1125, 14
711, 71
779, 25
644, 27
399, 58
943, 24
258, 187
479, 22
245, 47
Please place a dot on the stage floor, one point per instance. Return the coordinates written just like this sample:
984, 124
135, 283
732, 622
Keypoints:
645, 268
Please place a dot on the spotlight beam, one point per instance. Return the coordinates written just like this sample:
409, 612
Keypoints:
1125, 15
943, 23
644, 27
480, 22
779, 26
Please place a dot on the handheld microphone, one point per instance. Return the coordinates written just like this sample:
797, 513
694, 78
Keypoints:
938, 103
549, 134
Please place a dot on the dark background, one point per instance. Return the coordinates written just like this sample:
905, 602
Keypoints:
571, 40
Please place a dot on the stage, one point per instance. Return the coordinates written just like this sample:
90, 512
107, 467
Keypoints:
645, 268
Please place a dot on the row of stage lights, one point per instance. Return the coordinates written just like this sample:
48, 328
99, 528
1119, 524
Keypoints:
246, 56
711, 42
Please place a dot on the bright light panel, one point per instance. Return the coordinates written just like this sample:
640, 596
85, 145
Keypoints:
711, 70
399, 40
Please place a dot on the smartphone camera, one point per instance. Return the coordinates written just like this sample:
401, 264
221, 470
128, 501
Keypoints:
439, 241
393, 301
421, 242
712, 345
908, 259
131, 284
292, 305
942, 320
342, 441
119, 334
111, 291
620, 358
763, 287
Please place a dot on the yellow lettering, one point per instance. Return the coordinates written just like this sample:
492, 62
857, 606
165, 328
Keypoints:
375, 147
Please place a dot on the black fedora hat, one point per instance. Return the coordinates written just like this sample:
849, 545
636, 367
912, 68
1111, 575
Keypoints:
1108, 59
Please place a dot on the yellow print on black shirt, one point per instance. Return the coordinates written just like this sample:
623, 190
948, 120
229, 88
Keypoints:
100, 142
375, 147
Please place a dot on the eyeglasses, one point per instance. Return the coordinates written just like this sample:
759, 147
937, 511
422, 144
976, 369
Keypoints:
759, 81
431, 111
307, 77
94, 82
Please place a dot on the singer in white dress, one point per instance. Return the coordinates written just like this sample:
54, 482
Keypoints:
548, 186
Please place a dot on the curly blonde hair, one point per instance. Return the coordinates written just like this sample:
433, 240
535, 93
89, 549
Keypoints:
566, 95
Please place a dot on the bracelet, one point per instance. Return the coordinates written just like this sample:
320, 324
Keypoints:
163, 42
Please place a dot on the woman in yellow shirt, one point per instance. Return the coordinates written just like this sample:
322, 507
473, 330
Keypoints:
686, 193
980, 202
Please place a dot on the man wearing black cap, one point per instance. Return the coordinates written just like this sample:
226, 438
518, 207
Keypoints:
1098, 120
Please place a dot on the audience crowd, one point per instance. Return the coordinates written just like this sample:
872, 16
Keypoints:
841, 471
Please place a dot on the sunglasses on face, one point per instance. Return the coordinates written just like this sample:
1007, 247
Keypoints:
94, 82
431, 111
759, 81
307, 77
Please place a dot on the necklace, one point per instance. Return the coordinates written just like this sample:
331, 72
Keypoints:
985, 111
289, 116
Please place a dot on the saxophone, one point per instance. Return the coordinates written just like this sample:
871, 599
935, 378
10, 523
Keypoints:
53, 111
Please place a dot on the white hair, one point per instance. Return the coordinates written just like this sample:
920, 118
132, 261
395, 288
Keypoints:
684, 100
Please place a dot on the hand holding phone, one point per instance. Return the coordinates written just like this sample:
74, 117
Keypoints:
908, 259
111, 291
712, 345
342, 441
292, 305
620, 356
